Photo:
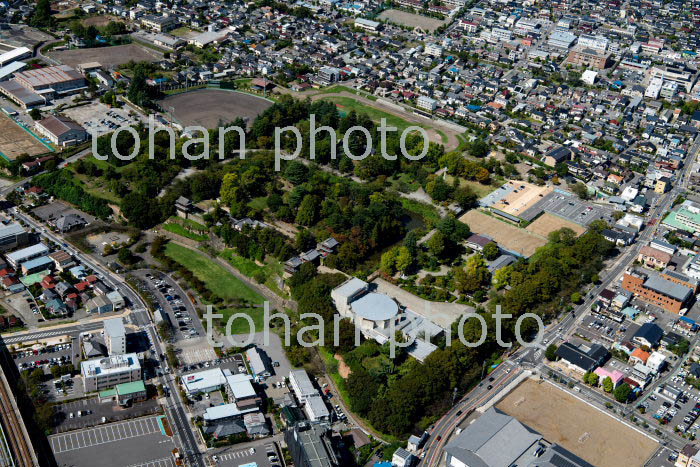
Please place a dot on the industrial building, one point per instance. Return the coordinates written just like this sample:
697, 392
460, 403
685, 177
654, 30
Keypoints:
13, 55
61, 131
105, 373
53, 80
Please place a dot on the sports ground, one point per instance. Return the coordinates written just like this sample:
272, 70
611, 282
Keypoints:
15, 140
213, 107
582, 429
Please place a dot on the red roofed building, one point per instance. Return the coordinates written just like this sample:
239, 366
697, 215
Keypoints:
639, 356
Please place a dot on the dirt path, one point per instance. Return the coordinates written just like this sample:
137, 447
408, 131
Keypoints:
343, 368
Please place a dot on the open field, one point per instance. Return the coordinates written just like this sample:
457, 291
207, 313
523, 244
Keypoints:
218, 280
183, 32
578, 427
411, 20
272, 270
547, 223
102, 20
15, 140
480, 189
506, 235
211, 107
108, 57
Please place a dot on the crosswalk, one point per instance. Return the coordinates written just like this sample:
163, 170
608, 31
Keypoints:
104, 434
235, 455
164, 462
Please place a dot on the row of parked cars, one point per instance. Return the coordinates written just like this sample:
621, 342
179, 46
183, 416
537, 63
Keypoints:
184, 320
40, 351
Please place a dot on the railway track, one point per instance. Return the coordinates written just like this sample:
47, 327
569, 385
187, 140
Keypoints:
16, 435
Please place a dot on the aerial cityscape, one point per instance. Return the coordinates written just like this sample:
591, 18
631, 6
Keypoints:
322, 233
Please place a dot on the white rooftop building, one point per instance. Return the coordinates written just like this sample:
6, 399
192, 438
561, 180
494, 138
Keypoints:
115, 336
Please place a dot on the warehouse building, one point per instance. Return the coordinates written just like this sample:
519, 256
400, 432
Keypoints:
13, 55
52, 80
105, 373
61, 131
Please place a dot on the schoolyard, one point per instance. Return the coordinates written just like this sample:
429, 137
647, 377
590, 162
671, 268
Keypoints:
582, 429
108, 57
547, 223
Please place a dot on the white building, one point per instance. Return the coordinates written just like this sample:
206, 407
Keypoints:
307, 395
115, 336
433, 50
654, 88
366, 24
598, 43
203, 382
426, 103
16, 258
257, 363
501, 34
105, 373
589, 77
656, 361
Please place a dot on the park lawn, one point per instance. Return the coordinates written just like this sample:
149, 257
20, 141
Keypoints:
216, 277
96, 187
178, 229
348, 104
249, 267
241, 325
480, 189
192, 224
428, 212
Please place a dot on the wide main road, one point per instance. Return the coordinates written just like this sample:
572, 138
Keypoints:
175, 409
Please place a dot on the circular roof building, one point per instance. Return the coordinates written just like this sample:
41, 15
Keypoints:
375, 307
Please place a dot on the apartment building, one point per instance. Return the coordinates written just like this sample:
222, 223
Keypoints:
590, 58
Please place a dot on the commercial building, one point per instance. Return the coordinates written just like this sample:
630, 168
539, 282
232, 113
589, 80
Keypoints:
222, 413
312, 444
683, 76
203, 381
685, 217
653, 258
108, 372
497, 439
561, 39
308, 396
115, 336
126, 393
12, 236
599, 43
659, 290
61, 131
590, 58
583, 357
501, 34
18, 257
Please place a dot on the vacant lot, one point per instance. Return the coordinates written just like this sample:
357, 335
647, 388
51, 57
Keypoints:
213, 107
15, 140
506, 235
412, 20
578, 427
99, 21
108, 57
547, 223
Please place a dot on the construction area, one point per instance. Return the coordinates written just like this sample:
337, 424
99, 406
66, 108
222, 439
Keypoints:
582, 429
507, 235
15, 140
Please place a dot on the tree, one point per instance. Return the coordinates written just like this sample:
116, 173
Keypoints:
479, 148
436, 244
491, 251
551, 352
593, 379
42, 14
581, 190
308, 211
35, 114
403, 259
576, 297
608, 385
125, 256
622, 392
483, 176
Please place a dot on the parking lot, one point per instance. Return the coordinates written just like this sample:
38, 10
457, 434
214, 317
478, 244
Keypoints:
263, 456
664, 409
99, 119
139, 441
46, 357
568, 206
91, 412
